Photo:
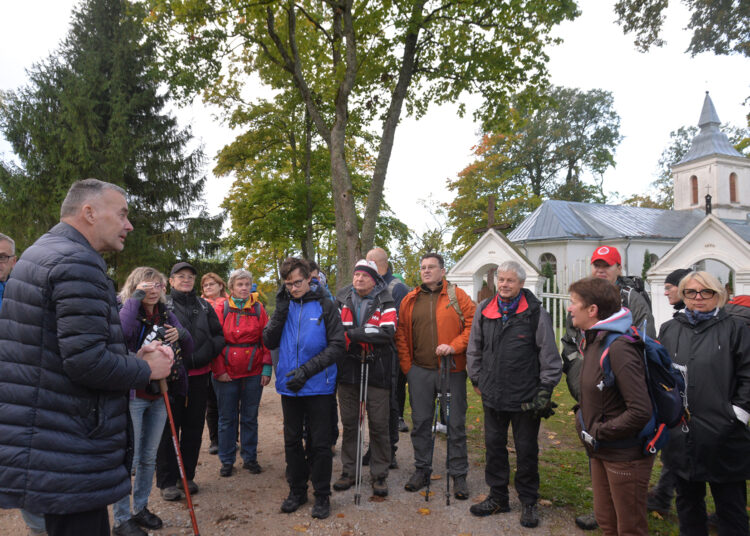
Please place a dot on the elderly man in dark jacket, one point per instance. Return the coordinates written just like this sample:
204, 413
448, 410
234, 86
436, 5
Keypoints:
65, 370
514, 364
368, 314
189, 410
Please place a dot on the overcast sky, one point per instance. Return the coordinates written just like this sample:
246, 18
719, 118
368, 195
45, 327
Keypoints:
654, 94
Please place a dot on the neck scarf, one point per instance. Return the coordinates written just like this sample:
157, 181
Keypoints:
695, 317
508, 307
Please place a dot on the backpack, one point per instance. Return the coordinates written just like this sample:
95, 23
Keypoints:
630, 283
666, 388
453, 302
241, 312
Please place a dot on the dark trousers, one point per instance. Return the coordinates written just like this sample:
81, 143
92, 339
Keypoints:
731, 503
189, 413
663, 492
401, 392
90, 523
317, 411
212, 414
497, 472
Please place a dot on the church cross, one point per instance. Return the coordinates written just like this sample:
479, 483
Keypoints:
491, 218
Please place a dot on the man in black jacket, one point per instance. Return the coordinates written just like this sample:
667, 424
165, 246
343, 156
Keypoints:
513, 362
368, 314
65, 370
189, 411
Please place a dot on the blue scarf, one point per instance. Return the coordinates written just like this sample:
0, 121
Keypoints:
508, 307
695, 317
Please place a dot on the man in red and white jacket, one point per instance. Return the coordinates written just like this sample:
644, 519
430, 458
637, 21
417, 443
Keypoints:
368, 314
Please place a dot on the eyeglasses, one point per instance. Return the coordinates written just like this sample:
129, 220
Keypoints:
295, 284
705, 293
210, 284
6, 258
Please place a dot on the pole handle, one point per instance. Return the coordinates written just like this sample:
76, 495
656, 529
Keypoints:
163, 385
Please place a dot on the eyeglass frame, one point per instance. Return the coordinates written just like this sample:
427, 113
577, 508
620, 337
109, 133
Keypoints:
6, 258
695, 293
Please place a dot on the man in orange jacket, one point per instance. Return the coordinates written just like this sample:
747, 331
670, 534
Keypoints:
434, 324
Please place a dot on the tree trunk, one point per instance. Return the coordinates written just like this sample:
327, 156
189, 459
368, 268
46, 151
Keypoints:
308, 245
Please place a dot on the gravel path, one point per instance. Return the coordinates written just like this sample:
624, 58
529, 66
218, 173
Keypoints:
249, 504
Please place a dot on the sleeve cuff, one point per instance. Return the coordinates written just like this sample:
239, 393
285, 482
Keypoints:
742, 415
267, 369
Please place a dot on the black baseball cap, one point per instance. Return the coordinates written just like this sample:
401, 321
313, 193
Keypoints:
181, 266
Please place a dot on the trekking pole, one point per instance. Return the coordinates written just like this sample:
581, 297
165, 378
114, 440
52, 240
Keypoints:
180, 464
363, 373
434, 434
446, 362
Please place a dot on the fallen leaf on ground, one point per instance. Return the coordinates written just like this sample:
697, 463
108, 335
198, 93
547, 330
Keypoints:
479, 498
469, 426
340, 515
571, 413
347, 533
656, 515
424, 511
477, 420
423, 492
545, 502
556, 442
436, 476
300, 528
375, 498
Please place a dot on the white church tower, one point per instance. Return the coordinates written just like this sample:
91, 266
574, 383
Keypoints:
712, 166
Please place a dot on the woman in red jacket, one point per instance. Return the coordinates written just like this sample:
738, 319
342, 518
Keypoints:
240, 372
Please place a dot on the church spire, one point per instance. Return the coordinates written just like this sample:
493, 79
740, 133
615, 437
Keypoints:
710, 140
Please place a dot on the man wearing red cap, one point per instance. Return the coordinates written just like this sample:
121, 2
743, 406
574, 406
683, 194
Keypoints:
368, 314
606, 263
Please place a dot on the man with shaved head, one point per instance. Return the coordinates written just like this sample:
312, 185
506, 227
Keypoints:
398, 392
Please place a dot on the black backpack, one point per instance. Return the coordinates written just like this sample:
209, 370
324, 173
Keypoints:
630, 283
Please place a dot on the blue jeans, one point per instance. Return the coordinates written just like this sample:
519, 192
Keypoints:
149, 417
238, 399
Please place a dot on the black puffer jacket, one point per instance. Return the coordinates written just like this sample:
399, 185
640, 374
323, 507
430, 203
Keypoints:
717, 355
64, 376
510, 362
376, 334
199, 318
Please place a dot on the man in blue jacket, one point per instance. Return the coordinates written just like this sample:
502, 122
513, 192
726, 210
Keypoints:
7, 261
65, 370
307, 330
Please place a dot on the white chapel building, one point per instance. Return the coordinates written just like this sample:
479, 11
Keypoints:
703, 231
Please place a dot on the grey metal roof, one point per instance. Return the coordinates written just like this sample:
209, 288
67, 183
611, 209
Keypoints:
571, 220
710, 140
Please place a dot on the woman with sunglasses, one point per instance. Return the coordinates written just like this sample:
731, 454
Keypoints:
712, 349
144, 311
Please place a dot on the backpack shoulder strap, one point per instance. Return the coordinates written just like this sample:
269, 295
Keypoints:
453, 302
609, 375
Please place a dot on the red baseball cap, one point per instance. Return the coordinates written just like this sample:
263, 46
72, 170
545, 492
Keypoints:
608, 254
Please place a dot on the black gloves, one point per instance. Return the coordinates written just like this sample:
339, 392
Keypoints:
138, 295
541, 405
282, 301
297, 379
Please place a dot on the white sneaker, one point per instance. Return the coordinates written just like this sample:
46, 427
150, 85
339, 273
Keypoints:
440, 428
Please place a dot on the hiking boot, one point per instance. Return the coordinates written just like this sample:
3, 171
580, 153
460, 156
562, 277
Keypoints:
379, 487
417, 481
402, 426
587, 522
460, 488
293, 502
226, 469
147, 520
529, 517
491, 505
129, 528
192, 487
252, 466
213, 448
171, 493
654, 503
343, 483
322, 507
366, 458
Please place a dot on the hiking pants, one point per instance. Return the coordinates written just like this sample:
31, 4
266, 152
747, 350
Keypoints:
620, 490
423, 388
525, 438
731, 502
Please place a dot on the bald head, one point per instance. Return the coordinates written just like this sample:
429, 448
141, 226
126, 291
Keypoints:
380, 258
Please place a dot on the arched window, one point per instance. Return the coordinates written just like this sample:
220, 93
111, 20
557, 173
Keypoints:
653, 258
548, 259
732, 187
694, 188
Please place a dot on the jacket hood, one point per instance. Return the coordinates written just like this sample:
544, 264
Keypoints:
619, 322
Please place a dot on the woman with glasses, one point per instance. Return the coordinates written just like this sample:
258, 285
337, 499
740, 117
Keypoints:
143, 316
241, 371
712, 349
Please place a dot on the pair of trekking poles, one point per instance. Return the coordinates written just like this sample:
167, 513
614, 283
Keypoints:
443, 400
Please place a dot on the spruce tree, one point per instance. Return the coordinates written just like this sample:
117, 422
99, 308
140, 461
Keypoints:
96, 108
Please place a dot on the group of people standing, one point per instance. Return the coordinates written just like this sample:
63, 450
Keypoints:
71, 350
